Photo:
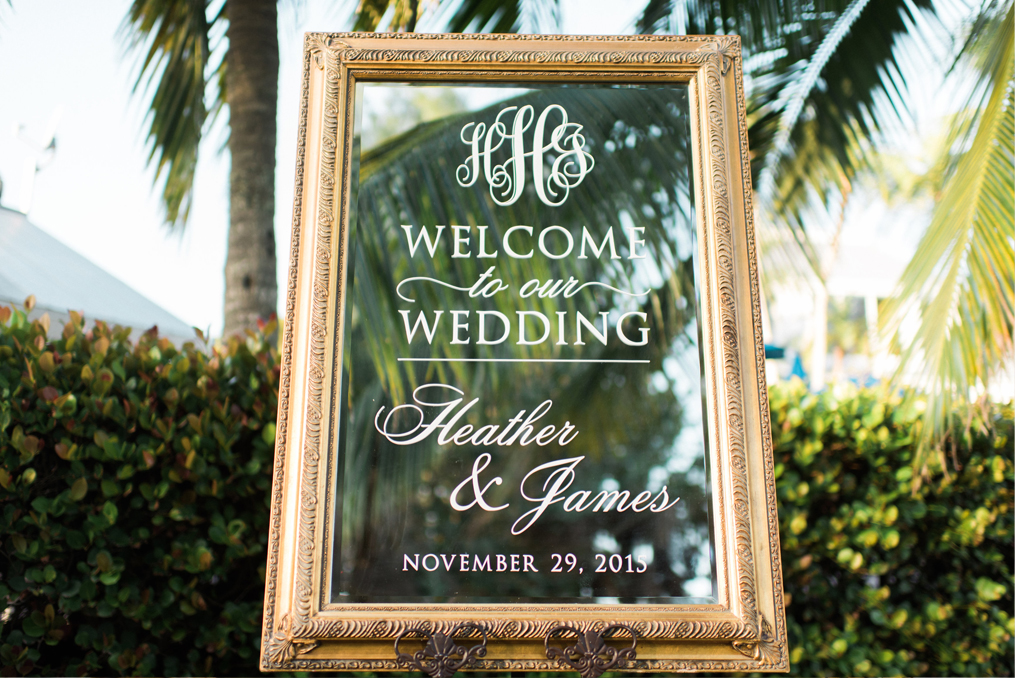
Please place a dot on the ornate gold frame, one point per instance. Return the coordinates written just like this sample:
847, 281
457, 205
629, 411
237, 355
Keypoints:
746, 629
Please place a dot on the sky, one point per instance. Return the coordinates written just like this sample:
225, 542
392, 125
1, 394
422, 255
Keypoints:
64, 62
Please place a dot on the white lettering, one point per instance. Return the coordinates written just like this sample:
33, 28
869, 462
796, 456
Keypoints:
420, 320
456, 326
522, 341
607, 240
459, 241
423, 235
583, 321
482, 461
558, 481
542, 242
507, 242
632, 237
483, 254
643, 330
570, 166
482, 327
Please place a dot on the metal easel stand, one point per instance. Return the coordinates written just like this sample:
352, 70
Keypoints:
590, 656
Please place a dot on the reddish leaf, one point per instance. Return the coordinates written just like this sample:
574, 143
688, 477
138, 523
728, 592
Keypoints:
100, 346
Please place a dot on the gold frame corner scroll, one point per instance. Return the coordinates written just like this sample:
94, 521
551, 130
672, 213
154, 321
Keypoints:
745, 630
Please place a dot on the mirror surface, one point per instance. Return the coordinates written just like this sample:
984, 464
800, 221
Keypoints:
521, 406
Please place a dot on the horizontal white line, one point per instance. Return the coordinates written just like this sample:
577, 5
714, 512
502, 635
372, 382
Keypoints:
512, 360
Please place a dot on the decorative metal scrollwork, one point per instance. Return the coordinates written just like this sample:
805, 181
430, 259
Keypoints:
438, 658
590, 656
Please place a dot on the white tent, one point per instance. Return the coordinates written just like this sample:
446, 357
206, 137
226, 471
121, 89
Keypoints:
32, 262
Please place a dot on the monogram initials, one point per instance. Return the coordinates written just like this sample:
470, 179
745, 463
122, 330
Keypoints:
507, 180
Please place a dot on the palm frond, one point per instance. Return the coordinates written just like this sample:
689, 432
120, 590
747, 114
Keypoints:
640, 143
464, 16
822, 77
369, 14
959, 284
655, 16
486, 16
173, 36
404, 15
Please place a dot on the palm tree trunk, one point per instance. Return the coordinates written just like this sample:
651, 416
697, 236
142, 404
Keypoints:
252, 95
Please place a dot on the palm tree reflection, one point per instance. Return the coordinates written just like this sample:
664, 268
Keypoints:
629, 405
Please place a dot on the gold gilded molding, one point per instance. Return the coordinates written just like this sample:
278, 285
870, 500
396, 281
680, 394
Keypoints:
763, 650
640, 666
314, 290
269, 639
317, 348
513, 629
768, 461
721, 213
285, 648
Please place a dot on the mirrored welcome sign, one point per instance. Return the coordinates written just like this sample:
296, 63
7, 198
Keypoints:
522, 417
522, 359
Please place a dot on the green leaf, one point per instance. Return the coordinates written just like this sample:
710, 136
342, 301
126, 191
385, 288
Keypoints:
110, 488
66, 405
868, 538
79, 489
988, 591
799, 523
102, 382
46, 362
104, 561
76, 540
73, 588
32, 626
891, 539
110, 512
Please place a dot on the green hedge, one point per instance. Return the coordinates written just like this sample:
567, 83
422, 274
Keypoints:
881, 578
134, 482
